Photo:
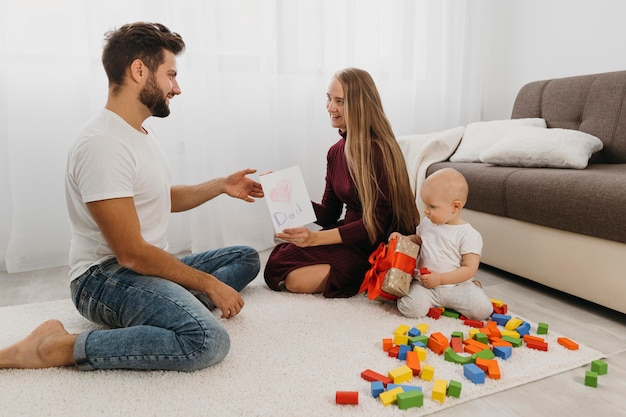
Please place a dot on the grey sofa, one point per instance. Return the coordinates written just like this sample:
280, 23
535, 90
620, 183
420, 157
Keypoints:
564, 228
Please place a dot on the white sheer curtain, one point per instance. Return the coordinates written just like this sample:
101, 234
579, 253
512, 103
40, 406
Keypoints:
254, 79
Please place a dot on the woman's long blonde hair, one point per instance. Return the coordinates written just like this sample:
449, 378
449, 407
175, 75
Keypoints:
369, 132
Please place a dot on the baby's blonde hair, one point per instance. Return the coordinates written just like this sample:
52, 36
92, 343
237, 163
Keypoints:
449, 182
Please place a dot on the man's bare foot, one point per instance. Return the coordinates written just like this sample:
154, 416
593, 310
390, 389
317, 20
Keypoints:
49, 345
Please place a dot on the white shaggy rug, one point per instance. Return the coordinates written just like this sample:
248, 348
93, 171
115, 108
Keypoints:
290, 354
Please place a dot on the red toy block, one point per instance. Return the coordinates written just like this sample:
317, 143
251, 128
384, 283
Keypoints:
456, 344
474, 323
503, 309
567, 343
434, 313
438, 343
424, 271
371, 376
536, 344
347, 397
413, 362
393, 352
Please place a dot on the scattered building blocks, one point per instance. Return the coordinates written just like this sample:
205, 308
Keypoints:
400, 339
423, 327
371, 376
591, 379
474, 373
401, 374
428, 373
482, 338
347, 397
503, 309
497, 303
393, 352
523, 328
542, 328
567, 343
501, 319
414, 332
421, 352
513, 323
451, 313
413, 362
484, 354
503, 352
410, 399
451, 356
490, 366
405, 388
454, 389
390, 396
514, 341
456, 343
387, 344
439, 390
401, 329
536, 344
403, 351
434, 313
474, 323
438, 343
377, 388
600, 367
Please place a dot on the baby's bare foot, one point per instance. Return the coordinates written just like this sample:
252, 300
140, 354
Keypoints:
47, 346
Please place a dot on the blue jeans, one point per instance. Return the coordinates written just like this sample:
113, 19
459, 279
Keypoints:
155, 323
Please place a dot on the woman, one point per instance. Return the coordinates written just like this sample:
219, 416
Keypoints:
367, 174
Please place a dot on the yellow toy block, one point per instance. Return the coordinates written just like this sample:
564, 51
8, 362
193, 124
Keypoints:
421, 352
472, 332
400, 339
401, 374
497, 303
390, 397
428, 372
423, 327
510, 333
439, 390
513, 324
401, 329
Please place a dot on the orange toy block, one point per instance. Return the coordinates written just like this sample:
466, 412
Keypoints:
438, 343
347, 397
567, 343
475, 343
528, 337
413, 362
490, 366
371, 376
387, 344
496, 341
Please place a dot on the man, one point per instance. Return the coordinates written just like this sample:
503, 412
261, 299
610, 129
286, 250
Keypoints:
119, 198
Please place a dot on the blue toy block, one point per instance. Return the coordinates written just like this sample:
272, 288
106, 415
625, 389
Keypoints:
501, 319
474, 373
523, 329
377, 388
402, 352
503, 352
414, 332
404, 387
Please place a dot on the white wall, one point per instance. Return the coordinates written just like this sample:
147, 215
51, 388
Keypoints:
541, 39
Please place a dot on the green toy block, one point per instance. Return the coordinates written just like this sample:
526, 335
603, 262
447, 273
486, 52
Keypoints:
451, 356
458, 334
542, 328
454, 389
515, 341
600, 367
410, 399
485, 354
591, 379
451, 313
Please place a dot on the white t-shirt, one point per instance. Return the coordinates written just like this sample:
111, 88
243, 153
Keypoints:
111, 159
443, 245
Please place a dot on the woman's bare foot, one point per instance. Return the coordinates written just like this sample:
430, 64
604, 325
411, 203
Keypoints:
49, 345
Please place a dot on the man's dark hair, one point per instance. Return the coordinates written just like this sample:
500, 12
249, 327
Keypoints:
140, 40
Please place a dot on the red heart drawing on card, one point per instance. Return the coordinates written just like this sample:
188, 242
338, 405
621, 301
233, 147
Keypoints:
281, 193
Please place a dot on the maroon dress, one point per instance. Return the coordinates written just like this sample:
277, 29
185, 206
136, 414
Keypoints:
348, 260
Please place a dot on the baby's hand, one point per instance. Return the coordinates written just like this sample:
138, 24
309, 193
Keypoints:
394, 235
429, 279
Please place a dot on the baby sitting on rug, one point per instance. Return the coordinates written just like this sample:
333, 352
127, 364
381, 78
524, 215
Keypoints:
450, 249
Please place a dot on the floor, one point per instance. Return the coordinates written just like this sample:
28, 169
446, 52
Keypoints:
562, 394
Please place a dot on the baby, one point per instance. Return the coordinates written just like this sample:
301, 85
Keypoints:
450, 250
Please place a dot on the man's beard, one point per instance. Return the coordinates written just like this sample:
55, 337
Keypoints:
152, 97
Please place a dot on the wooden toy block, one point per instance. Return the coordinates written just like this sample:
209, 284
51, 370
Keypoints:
523, 329
472, 350
393, 352
457, 334
421, 352
421, 340
413, 331
474, 373
439, 390
428, 373
490, 366
497, 303
567, 343
474, 323
535, 344
542, 328
503, 352
401, 374
456, 343
500, 319
509, 333
403, 351
591, 379
501, 310
390, 396
401, 329
371, 376
423, 327
451, 356
387, 344
497, 341
405, 388
413, 362
377, 388
347, 397
515, 341
528, 337
450, 313
438, 343
513, 323
434, 313
410, 399
600, 367
400, 339
476, 343
482, 338
454, 389
484, 354
472, 333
